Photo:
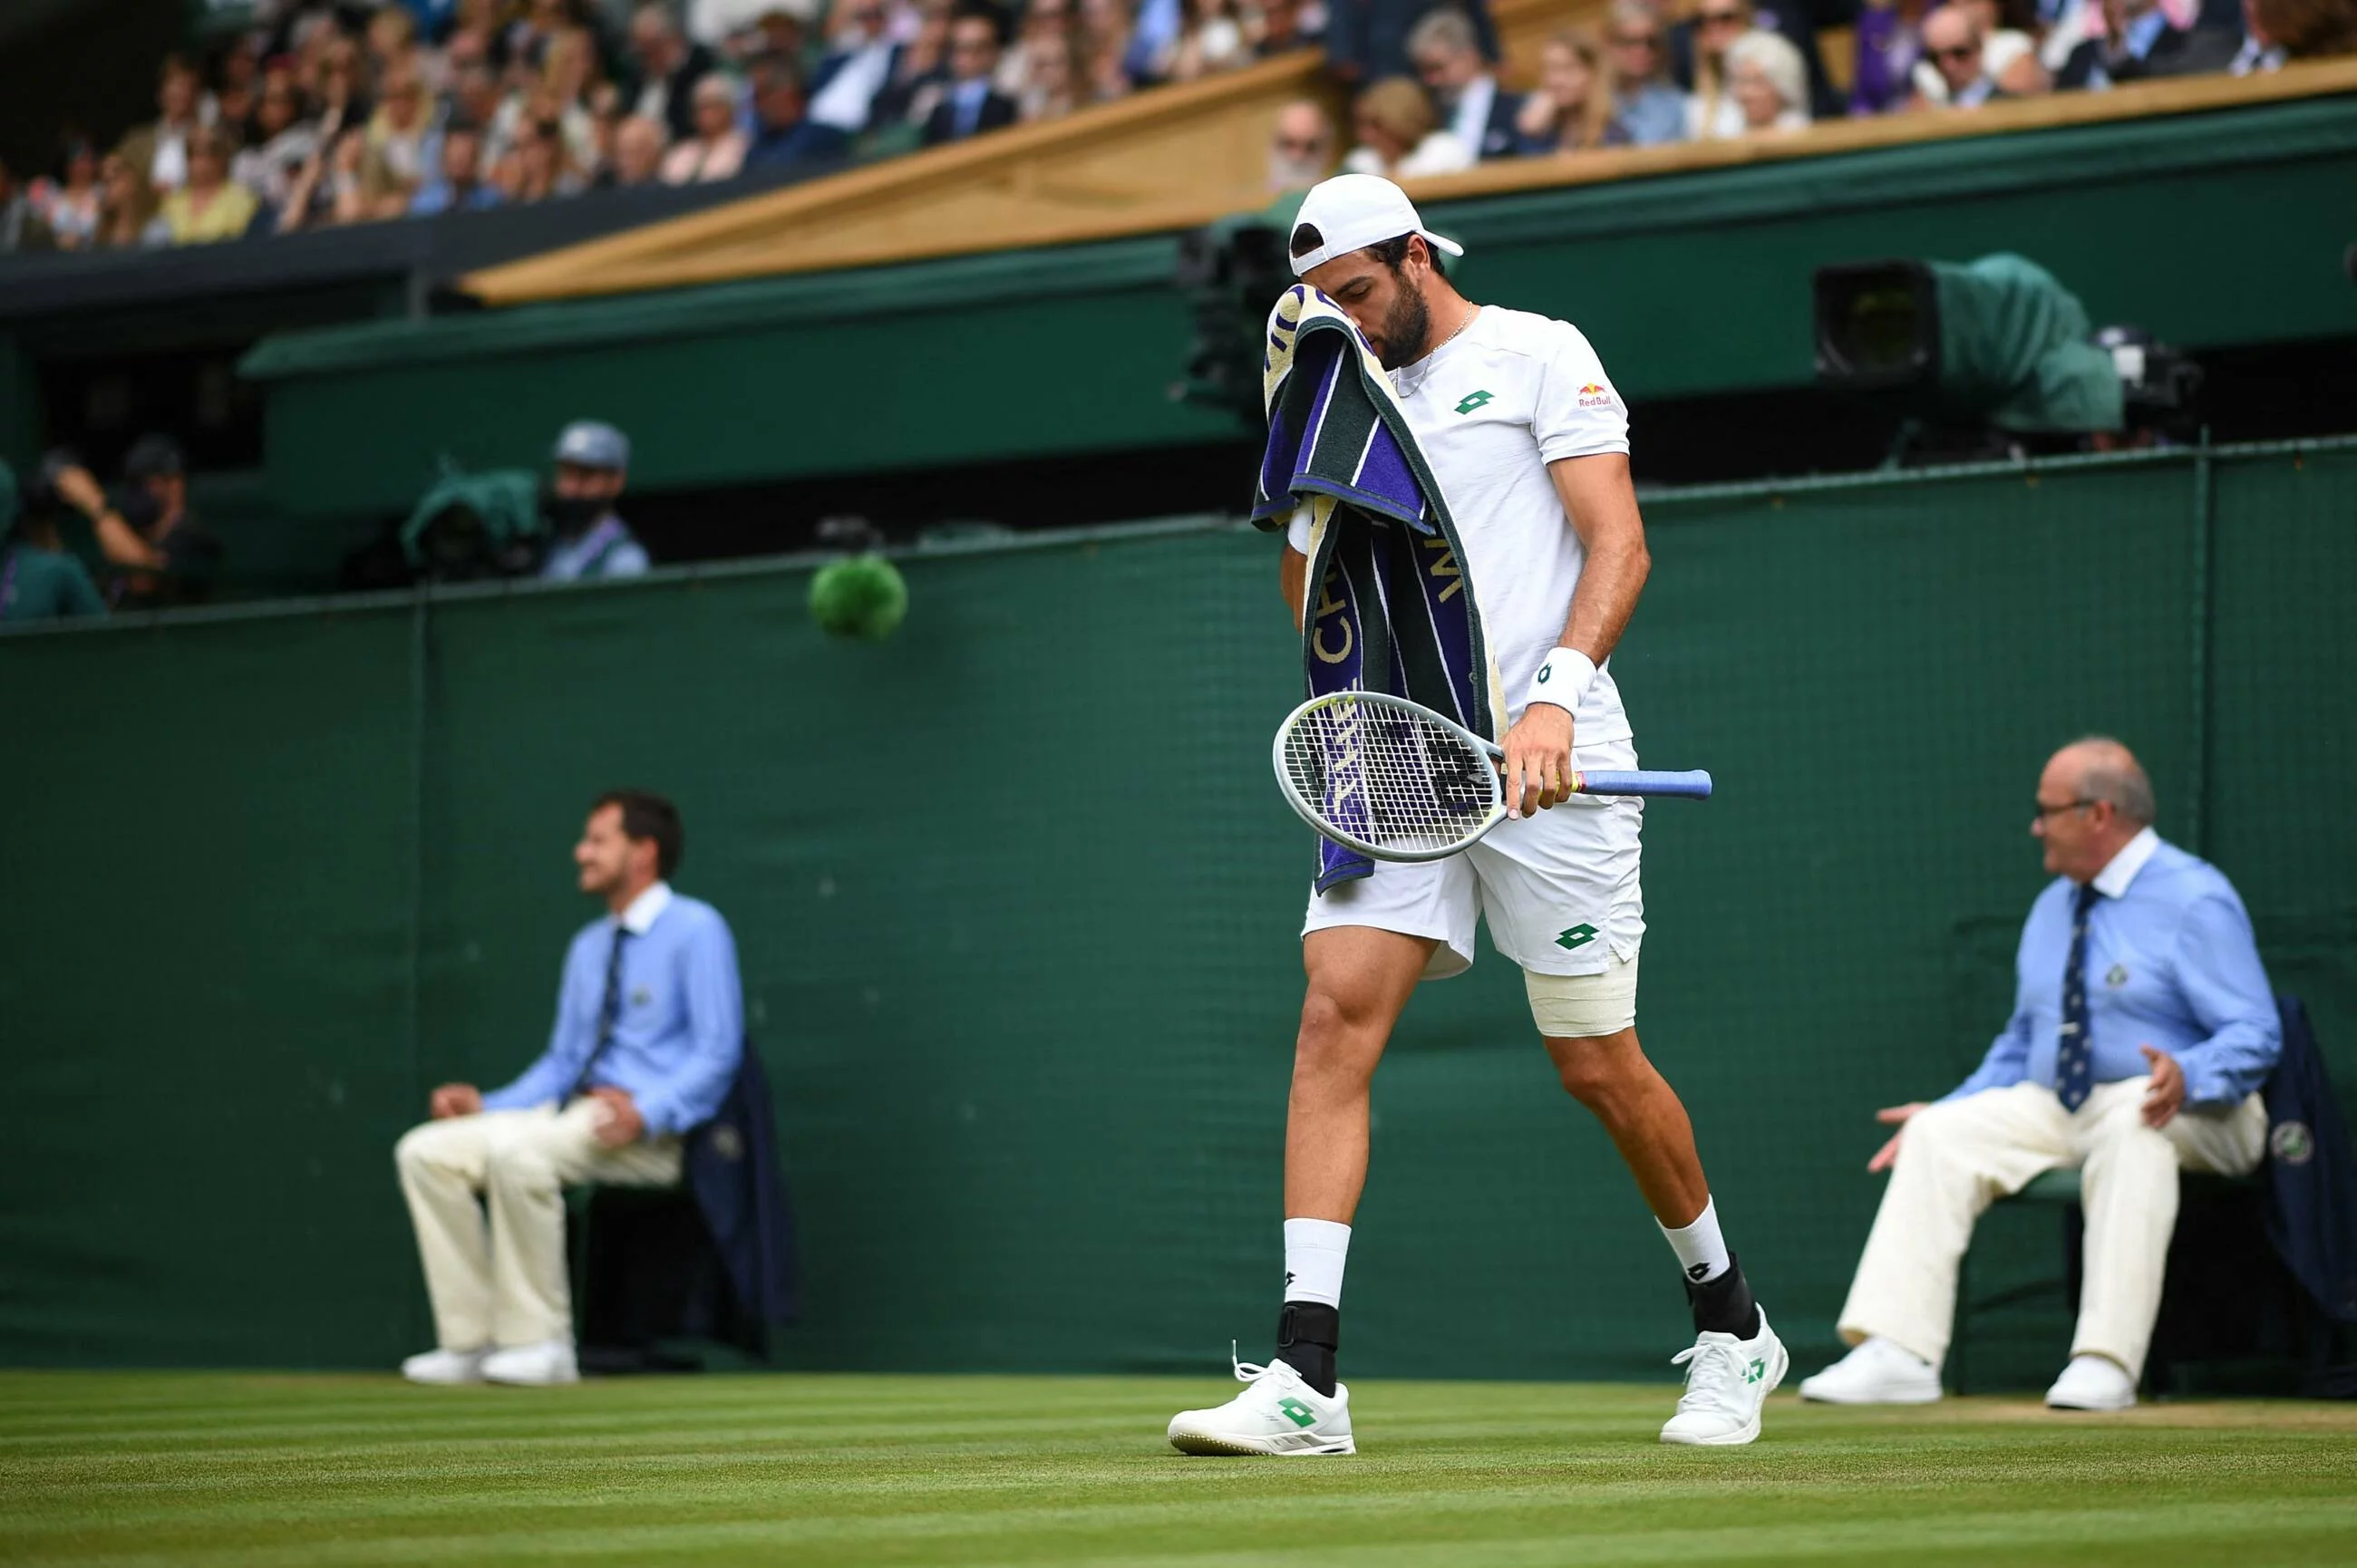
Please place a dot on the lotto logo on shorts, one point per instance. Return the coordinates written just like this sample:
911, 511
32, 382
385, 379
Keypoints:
1594, 396
1580, 936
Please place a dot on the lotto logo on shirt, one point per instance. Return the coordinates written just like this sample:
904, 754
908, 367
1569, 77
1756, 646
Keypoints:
1593, 395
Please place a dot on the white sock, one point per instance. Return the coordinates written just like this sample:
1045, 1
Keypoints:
1314, 1250
1702, 1251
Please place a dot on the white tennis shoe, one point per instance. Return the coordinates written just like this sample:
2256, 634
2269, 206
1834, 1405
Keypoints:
532, 1366
1277, 1413
1877, 1372
2093, 1383
1727, 1380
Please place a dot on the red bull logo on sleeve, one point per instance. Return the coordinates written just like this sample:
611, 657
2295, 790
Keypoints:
1595, 395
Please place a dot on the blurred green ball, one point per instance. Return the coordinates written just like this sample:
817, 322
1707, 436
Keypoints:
859, 596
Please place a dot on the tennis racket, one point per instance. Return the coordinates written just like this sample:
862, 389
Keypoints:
1394, 779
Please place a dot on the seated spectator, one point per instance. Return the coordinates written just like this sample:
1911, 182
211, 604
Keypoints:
783, 133
1769, 83
2302, 30
666, 68
1367, 40
1041, 19
1890, 45
396, 162
539, 167
1572, 109
160, 150
638, 154
593, 465
475, 98
1648, 110
458, 184
970, 105
1211, 39
921, 71
855, 69
22, 227
568, 75
2008, 63
1301, 151
1448, 62
278, 142
2143, 1028
1399, 135
339, 92
1693, 42
717, 149
72, 203
649, 1033
208, 206
2137, 40
1051, 87
1712, 112
1104, 43
126, 211
1280, 26
39, 580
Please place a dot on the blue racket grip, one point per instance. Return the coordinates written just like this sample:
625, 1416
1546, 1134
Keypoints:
1691, 786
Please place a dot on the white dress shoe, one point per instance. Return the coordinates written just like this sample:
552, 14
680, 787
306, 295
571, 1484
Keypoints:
532, 1366
1877, 1372
2093, 1383
444, 1367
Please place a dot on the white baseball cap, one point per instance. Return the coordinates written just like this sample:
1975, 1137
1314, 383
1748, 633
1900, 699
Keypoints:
1353, 211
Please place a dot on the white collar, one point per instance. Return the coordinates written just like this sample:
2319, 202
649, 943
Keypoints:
646, 908
2112, 881
1473, 104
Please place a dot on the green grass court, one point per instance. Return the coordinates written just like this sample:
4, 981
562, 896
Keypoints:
184, 1468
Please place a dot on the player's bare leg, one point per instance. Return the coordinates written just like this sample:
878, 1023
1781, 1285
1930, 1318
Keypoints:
1360, 979
1736, 1359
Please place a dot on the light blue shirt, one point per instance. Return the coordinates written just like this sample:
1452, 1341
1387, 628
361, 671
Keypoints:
604, 550
1655, 115
2171, 964
681, 1031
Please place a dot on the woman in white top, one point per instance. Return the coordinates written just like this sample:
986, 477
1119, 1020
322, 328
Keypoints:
717, 151
1769, 83
1397, 134
1711, 110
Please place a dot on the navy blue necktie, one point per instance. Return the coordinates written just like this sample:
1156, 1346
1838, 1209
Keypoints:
608, 1012
2074, 1059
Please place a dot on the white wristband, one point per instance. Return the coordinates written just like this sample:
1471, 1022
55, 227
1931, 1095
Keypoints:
1563, 680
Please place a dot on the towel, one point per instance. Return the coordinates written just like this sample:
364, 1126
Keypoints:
1390, 607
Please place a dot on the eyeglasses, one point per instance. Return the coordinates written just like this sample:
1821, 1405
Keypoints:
2045, 812
1719, 18
1307, 146
1636, 40
1963, 51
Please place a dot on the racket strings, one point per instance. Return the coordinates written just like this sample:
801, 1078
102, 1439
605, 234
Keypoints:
1389, 778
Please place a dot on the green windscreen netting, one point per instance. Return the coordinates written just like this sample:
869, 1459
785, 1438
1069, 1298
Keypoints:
1018, 903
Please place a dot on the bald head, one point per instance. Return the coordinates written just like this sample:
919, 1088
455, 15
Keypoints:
2109, 772
1301, 150
2093, 797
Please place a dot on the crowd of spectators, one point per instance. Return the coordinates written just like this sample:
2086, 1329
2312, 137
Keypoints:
328, 112
1659, 72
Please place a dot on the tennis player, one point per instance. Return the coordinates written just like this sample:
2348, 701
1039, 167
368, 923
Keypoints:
1529, 443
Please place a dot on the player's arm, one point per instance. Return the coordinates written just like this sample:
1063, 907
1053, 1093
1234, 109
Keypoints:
1600, 503
1292, 574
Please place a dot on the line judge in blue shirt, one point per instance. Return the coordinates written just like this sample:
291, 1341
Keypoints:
649, 1031
2142, 1030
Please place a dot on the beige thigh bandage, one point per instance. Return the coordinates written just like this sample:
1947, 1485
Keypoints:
1582, 1006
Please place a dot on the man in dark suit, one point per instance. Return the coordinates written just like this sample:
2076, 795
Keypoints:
1366, 40
972, 105
1448, 56
783, 131
665, 69
2139, 41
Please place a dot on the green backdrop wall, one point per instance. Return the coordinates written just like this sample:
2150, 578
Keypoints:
1017, 902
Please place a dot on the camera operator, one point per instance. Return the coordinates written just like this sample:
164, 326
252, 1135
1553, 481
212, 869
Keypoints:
39, 580
146, 528
593, 462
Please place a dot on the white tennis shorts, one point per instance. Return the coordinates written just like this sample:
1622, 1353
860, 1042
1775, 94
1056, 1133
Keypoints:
1559, 889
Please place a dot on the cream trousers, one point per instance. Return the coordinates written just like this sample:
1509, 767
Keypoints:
1961, 1156
504, 1282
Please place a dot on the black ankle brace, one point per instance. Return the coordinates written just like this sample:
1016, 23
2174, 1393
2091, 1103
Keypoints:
1308, 1333
1725, 1305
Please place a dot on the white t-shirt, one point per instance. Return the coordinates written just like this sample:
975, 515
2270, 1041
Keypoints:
1491, 409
